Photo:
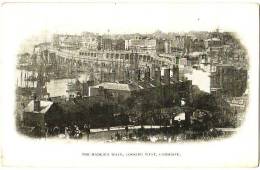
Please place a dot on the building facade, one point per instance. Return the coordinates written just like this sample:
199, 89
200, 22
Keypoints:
66, 41
229, 80
145, 45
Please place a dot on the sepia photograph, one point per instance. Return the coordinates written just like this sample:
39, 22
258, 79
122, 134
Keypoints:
143, 80
133, 87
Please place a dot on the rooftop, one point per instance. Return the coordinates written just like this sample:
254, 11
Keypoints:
196, 53
44, 107
224, 65
117, 86
213, 39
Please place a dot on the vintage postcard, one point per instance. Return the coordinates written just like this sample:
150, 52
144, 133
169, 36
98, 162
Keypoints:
121, 84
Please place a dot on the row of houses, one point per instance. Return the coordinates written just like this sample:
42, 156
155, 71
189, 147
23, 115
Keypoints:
39, 112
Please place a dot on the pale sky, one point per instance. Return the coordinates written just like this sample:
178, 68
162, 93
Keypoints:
127, 17
21, 21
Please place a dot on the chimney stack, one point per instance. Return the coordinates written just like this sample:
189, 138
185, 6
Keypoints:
158, 77
136, 61
167, 76
127, 75
153, 71
113, 76
147, 74
36, 103
175, 71
101, 91
137, 75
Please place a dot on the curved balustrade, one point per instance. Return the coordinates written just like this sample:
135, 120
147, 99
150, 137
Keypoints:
110, 56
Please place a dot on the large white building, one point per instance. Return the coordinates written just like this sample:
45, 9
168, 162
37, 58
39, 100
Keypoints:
145, 45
